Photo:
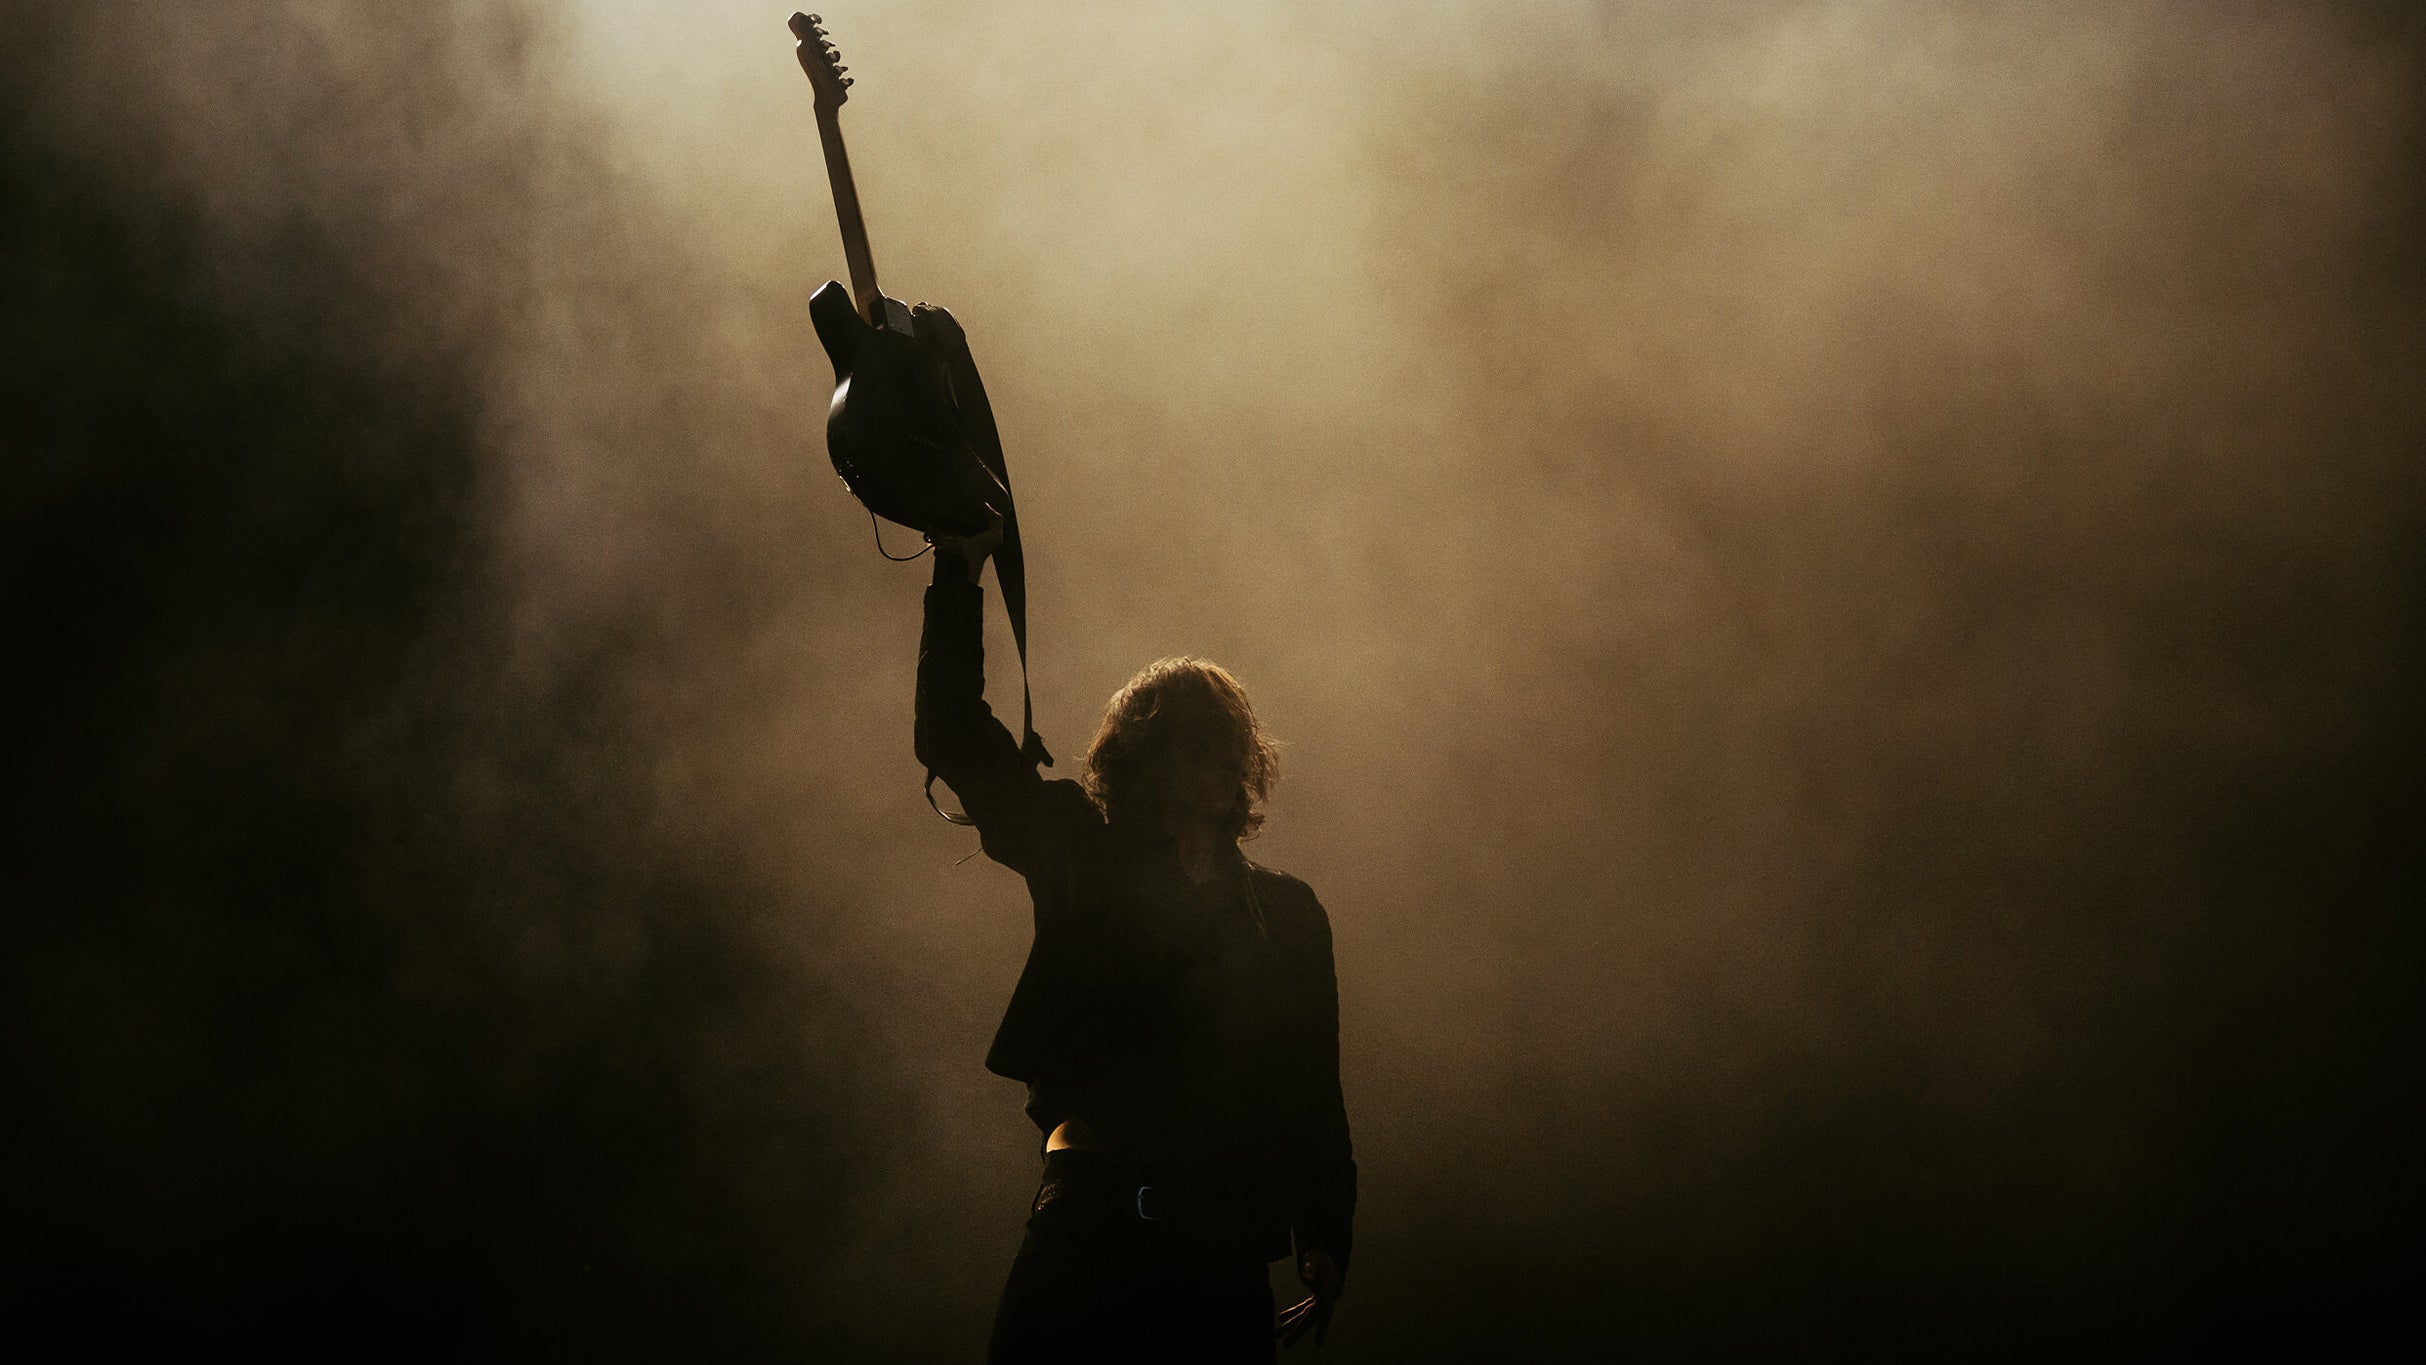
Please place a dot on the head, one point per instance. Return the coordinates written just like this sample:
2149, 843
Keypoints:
1180, 749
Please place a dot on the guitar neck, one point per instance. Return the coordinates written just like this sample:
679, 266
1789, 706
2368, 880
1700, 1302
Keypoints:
846, 212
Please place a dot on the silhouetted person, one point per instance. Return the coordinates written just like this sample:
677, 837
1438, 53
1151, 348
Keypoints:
1177, 1023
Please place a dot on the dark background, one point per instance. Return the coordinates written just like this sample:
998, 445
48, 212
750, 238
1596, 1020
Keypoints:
1843, 582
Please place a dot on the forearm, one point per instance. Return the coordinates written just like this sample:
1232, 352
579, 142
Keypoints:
955, 565
960, 741
1324, 1218
1324, 1213
956, 733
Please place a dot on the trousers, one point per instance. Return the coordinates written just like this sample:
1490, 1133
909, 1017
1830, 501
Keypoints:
1096, 1282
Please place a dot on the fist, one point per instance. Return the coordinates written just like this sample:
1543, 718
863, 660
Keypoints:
972, 550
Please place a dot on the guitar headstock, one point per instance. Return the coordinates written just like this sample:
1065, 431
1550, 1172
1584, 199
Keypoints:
821, 61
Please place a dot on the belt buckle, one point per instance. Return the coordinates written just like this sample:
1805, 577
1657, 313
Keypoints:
1142, 1192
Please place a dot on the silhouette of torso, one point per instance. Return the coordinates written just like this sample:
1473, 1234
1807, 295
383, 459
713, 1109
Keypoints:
1193, 1026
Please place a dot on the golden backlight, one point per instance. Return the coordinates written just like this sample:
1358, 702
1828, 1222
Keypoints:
1763, 528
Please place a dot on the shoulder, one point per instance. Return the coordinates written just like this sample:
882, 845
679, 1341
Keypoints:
1271, 881
1066, 798
1289, 899
1067, 818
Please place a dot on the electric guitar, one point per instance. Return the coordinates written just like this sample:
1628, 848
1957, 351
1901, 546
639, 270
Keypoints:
909, 429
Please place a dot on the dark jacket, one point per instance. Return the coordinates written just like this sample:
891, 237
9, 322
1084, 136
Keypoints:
1196, 1029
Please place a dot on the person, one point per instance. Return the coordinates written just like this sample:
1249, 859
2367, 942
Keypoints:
1176, 1023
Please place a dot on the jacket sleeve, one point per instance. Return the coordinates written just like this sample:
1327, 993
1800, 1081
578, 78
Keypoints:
958, 738
1323, 1195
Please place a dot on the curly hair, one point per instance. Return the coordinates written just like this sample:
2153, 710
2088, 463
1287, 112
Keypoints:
1175, 710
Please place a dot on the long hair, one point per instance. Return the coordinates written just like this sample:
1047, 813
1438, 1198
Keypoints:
1178, 710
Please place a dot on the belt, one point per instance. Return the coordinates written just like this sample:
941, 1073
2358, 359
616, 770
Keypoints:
1164, 1204
1072, 1172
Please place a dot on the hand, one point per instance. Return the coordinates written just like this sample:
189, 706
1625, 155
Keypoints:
972, 550
934, 324
1322, 1275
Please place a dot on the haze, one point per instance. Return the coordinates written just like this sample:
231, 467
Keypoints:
1839, 580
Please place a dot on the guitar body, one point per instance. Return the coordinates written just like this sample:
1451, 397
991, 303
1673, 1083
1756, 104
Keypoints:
895, 430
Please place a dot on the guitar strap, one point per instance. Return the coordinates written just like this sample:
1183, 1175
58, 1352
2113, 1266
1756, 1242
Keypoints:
1010, 561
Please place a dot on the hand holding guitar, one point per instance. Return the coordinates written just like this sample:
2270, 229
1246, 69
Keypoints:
970, 551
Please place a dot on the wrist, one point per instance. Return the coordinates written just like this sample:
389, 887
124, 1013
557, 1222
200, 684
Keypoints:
952, 566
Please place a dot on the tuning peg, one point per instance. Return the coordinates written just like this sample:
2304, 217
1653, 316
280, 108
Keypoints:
839, 69
846, 82
814, 21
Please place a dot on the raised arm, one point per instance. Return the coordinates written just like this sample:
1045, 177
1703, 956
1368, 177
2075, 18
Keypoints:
957, 736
